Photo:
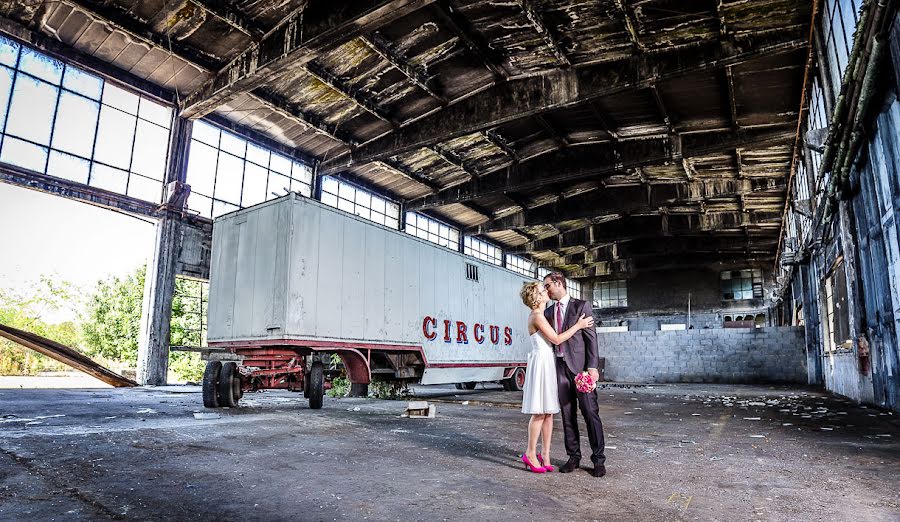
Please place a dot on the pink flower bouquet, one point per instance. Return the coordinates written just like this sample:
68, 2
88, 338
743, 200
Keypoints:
584, 383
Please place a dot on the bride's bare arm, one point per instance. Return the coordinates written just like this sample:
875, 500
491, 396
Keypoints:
558, 338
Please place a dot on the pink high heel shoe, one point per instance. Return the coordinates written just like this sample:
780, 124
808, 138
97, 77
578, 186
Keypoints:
547, 467
530, 467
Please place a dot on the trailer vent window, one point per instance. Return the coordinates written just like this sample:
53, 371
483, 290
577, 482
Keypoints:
471, 272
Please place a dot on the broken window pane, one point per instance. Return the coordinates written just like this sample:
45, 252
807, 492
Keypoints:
31, 110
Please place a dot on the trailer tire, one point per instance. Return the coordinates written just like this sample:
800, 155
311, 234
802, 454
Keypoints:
229, 387
459, 386
470, 385
516, 382
316, 385
210, 384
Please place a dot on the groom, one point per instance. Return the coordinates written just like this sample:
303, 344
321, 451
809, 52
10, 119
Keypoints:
574, 356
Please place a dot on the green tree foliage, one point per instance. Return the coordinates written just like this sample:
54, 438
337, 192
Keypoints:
112, 318
26, 310
112, 322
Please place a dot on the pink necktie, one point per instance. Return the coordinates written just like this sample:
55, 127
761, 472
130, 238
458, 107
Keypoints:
559, 323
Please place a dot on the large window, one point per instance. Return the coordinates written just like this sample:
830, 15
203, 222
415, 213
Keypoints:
542, 272
357, 201
520, 264
837, 320
62, 121
227, 172
839, 20
575, 288
610, 294
741, 284
190, 304
431, 230
482, 250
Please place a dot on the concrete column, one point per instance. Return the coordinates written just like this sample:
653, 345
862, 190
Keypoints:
159, 286
153, 345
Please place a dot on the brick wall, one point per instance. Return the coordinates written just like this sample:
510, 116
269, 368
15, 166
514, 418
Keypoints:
727, 355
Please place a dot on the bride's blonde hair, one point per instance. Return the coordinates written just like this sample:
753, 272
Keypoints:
531, 294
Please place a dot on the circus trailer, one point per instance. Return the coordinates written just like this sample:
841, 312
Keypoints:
293, 281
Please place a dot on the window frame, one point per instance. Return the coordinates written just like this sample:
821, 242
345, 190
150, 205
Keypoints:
89, 91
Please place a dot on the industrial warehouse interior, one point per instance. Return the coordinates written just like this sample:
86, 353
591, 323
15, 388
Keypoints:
267, 259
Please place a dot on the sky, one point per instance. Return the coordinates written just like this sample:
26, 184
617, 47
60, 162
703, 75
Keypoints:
76, 242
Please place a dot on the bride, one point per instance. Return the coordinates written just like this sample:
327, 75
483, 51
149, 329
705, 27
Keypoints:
540, 397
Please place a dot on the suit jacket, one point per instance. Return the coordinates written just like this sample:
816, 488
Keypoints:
580, 351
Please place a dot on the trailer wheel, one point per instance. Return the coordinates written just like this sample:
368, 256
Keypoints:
316, 385
459, 386
229, 387
210, 384
517, 381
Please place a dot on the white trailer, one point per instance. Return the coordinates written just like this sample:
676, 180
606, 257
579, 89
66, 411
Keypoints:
293, 277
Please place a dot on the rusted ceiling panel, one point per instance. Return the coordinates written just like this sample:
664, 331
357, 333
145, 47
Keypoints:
433, 166
252, 112
477, 152
509, 33
590, 31
458, 213
392, 181
97, 37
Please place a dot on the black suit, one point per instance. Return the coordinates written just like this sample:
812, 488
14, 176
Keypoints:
579, 354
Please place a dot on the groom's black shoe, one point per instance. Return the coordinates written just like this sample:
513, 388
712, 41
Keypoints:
598, 471
570, 466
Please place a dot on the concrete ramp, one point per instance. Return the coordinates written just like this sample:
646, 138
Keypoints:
65, 355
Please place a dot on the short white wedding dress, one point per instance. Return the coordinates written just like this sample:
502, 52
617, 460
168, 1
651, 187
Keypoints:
541, 394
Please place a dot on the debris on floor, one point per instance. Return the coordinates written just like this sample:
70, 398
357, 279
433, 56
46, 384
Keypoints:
420, 410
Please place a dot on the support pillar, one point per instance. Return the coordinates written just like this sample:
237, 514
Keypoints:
159, 285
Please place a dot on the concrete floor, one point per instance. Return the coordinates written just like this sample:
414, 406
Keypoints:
675, 452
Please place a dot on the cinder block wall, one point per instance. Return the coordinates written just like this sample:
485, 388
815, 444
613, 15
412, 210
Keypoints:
726, 355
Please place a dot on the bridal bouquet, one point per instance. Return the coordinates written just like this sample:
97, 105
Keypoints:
584, 383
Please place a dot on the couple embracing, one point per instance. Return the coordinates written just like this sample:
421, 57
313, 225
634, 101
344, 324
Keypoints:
564, 344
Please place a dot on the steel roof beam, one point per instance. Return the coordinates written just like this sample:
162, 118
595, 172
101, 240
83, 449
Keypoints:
295, 42
593, 160
515, 99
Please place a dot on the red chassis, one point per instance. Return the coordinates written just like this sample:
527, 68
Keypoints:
282, 364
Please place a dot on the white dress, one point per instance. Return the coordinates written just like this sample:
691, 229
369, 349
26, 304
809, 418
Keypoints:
541, 394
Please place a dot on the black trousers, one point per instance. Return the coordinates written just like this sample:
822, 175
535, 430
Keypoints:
570, 400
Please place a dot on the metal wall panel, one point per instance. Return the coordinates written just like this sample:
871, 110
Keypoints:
342, 278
